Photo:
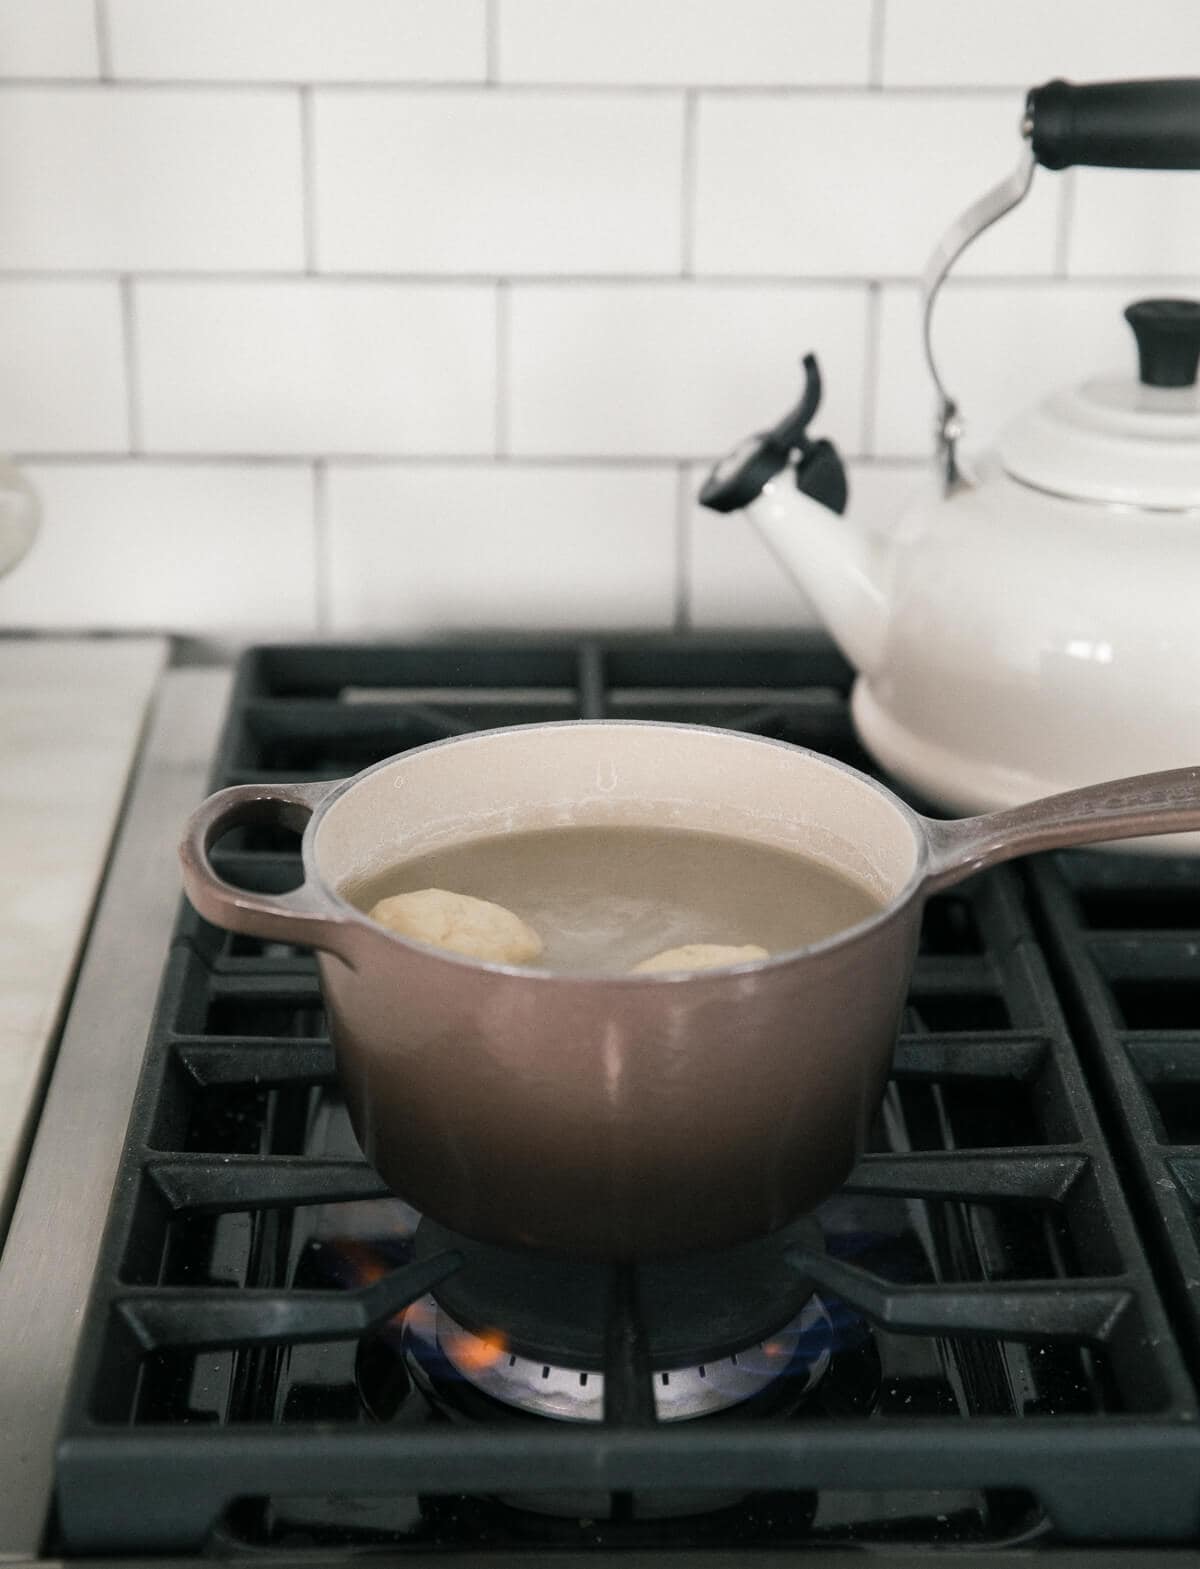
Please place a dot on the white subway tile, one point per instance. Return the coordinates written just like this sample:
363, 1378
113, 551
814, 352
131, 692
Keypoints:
63, 385
48, 38
861, 184
763, 42
300, 366
1000, 349
733, 579
186, 548
429, 548
679, 369
153, 178
1023, 43
478, 181
1128, 221
299, 40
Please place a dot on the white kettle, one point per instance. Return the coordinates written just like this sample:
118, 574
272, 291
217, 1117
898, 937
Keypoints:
1031, 621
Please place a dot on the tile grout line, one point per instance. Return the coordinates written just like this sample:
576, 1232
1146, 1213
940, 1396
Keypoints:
687, 197
286, 277
875, 45
870, 390
103, 41
308, 181
683, 550
322, 563
491, 42
458, 84
1066, 217
503, 348
133, 405
633, 462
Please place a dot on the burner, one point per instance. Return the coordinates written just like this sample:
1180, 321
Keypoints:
439, 1351
696, 1309
527, 1331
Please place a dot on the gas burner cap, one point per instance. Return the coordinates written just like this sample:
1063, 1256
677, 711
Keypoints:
802, 1348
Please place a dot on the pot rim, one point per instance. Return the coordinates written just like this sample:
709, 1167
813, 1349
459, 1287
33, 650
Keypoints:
848, 937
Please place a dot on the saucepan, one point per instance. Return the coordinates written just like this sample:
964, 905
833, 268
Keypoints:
624, 1116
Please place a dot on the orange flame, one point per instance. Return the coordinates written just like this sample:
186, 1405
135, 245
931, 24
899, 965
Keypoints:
475, 1353
368, 1265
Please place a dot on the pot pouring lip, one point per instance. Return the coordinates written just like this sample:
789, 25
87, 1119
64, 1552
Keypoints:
848, 937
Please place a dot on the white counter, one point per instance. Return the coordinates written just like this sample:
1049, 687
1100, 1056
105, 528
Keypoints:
72, 712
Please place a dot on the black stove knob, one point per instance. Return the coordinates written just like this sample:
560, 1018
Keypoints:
1168, 341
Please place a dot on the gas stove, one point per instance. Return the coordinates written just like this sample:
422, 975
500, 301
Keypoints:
987, 1342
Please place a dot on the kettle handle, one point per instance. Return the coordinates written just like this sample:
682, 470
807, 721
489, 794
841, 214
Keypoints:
964, 231
1114, 125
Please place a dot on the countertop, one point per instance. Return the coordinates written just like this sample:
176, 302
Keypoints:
72, 713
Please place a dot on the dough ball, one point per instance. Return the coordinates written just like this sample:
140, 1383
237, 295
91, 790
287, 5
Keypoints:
700, 956
461, 924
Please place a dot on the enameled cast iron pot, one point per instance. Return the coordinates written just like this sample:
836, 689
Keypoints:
624, 1116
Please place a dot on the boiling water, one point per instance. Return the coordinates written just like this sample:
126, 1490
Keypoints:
602, 898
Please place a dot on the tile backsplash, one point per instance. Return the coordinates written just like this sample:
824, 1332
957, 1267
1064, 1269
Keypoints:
400, 317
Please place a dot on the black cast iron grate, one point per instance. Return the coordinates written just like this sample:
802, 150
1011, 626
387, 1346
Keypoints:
1027, 1356
1124, 933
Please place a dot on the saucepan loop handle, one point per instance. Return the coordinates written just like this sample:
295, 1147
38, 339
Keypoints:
1162, 803
306, 914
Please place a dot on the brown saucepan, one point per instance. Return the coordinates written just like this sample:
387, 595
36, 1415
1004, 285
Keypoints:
628, 1115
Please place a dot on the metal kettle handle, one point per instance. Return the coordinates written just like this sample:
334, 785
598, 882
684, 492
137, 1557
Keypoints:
1114, 125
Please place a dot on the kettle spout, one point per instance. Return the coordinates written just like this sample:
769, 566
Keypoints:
834, 561
794, 489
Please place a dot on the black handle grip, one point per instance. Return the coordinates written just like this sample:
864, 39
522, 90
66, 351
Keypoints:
1116, 125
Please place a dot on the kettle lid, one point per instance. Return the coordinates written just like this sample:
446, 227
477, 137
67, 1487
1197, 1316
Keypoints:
1116, 440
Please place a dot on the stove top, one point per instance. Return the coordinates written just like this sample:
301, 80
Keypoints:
989, 1337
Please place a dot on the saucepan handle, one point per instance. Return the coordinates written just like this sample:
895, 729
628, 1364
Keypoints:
1163, 803
305, 915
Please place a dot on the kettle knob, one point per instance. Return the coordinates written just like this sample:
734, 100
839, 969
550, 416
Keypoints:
1168, 341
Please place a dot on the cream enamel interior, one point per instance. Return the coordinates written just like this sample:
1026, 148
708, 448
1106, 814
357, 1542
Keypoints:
608, 772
